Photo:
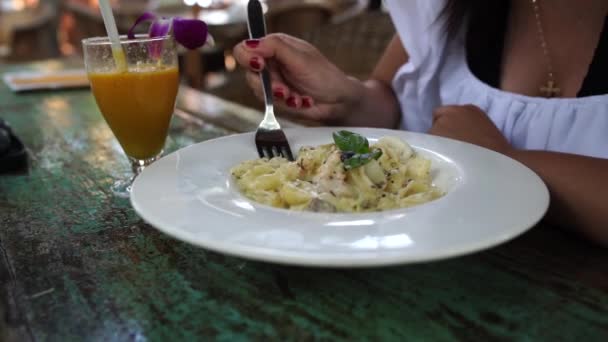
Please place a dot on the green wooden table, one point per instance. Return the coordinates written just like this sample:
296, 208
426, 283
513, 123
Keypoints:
76, 263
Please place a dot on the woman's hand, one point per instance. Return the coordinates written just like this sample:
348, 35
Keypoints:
469, 124
304, 82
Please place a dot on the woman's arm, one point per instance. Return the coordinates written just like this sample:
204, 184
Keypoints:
579, 190
377, 102
307, 85
578, 184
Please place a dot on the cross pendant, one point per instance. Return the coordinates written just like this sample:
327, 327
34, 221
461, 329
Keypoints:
550, 90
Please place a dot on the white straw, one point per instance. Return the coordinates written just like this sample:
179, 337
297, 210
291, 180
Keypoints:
110, 23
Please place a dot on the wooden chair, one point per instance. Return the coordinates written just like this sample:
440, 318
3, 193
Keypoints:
297, 17
36, 37
355, 44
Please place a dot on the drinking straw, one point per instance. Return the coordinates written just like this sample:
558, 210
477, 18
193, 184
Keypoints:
110, 23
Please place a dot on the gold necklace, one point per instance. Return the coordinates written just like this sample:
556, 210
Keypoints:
550, 89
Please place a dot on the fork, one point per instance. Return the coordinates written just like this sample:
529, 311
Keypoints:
270, 139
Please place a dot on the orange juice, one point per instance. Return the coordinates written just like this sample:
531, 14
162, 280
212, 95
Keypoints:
137, 105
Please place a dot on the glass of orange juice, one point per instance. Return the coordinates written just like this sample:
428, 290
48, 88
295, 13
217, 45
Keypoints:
137, 97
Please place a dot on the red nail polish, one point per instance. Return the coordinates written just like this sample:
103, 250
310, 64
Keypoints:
291, 102
252, 43
279, 94
255, 64
306, 102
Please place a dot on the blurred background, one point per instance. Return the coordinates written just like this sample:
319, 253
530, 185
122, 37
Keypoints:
352, 33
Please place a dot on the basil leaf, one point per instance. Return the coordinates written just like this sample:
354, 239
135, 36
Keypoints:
355, 149
376, 153
351, 142
357, 160
346, 155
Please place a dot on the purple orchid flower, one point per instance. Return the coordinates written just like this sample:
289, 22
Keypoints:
190, 33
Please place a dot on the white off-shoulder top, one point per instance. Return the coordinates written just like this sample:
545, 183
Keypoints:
437, 74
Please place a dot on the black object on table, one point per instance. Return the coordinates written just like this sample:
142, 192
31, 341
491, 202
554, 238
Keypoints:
13, 156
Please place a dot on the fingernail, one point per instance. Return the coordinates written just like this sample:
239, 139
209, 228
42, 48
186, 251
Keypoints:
279, 94
306, 102
252, 43
255, 64
291, 102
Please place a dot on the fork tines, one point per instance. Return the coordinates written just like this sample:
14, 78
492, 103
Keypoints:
272, 143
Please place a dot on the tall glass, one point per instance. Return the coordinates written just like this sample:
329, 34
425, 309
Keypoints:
137, 103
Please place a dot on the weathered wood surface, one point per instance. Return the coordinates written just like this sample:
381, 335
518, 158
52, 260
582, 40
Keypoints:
76, 263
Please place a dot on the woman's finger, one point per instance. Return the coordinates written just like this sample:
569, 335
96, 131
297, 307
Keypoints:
314, 112
280, 46
280, 91
247, 59
254, 82
290, 100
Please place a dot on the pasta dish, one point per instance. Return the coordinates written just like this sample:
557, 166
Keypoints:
346, 176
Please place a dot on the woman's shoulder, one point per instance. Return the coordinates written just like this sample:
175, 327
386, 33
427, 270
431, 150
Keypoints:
419, 11
420, 25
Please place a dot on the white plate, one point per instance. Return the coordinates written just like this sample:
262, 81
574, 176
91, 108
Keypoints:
490, 199
36, 80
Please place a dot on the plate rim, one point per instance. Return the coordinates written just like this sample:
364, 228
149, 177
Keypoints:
345, 260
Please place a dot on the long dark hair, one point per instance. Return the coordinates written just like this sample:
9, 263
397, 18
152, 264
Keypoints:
481, 14
486, 23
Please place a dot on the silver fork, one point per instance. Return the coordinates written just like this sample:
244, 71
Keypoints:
270, 139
